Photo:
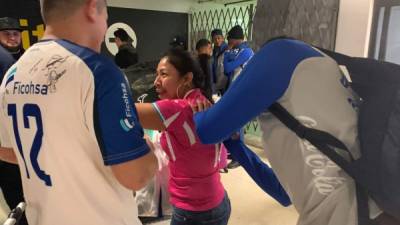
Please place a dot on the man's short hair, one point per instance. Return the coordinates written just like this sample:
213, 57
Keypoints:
53, 9
202, 43
236, 32
216, 32
122, 35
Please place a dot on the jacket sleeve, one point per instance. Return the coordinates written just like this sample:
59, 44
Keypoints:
243, 56
260, 172
262, 82
6, 61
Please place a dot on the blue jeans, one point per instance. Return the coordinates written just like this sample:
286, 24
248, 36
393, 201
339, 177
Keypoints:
216, 216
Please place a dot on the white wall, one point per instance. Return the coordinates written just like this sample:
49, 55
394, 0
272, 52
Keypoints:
354, 27
184, 6
158, 5
217, 4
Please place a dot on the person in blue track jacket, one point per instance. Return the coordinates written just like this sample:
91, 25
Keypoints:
308, 84
238, 54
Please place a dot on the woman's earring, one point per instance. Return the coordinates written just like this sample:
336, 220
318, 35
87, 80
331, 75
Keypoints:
177, 90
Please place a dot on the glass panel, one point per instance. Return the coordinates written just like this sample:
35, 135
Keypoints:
379, 32
393, 38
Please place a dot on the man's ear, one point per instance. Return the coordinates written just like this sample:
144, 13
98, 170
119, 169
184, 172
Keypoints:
91, 10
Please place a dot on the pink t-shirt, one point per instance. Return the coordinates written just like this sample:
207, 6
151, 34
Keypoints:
194, 182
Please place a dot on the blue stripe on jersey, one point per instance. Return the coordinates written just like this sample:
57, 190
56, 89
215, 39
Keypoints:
10, 76
262, 82
119, 141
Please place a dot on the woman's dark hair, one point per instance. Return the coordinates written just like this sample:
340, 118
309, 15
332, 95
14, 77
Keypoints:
184, 63
202, 43
205, 65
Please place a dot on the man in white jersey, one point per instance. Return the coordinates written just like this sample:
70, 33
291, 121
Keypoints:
67, 113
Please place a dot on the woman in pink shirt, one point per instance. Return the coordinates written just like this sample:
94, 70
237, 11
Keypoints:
197, 194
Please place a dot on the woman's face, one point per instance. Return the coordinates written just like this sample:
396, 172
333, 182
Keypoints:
168, 81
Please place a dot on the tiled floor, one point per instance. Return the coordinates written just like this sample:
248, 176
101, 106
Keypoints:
250, 205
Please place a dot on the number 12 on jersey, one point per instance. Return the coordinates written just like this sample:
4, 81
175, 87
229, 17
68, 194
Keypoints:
30, 110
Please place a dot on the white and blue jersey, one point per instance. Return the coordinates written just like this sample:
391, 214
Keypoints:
68, 114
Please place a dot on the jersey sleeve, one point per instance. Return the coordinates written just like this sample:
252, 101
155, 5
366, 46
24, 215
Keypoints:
173, 113
116, 124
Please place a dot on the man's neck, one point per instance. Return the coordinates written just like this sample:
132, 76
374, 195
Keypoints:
62, 30
53, 32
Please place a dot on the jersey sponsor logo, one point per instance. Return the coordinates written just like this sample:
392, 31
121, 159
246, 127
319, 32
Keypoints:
125, 98
127, 123
53, 71
326, 173
30, 89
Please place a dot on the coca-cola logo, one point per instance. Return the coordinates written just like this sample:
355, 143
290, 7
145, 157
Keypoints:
326, 177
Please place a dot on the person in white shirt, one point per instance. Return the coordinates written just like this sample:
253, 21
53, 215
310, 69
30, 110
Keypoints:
69, 121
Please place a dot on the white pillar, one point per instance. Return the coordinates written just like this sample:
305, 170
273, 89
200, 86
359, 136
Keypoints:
354, 27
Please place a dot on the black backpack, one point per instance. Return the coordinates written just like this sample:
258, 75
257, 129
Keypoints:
377, 172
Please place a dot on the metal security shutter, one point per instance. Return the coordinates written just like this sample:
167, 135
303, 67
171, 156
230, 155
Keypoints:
203, 22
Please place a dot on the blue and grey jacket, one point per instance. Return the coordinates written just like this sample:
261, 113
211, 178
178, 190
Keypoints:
235, 59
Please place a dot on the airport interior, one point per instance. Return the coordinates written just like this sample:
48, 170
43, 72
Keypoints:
239, 112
